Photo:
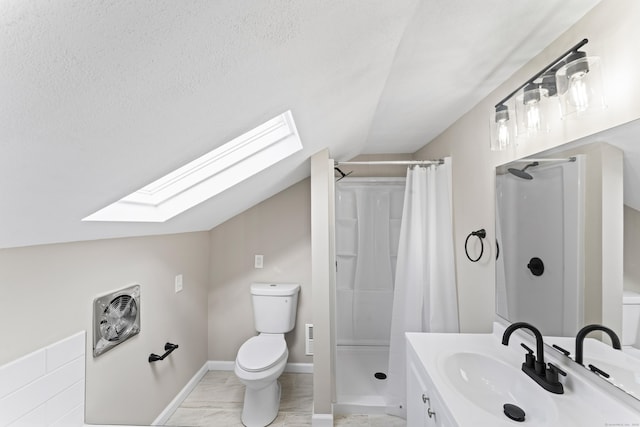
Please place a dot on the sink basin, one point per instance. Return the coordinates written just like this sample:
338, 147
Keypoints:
489, 383
472, 376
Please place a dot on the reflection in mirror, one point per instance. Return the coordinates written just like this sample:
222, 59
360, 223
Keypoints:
540, 211
576, 246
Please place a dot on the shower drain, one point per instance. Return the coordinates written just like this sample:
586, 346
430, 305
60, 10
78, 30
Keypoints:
380, 375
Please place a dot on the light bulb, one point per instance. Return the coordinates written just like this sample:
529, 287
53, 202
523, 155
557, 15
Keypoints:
503, 134
579, 83
532, 110
578, 92
502, 127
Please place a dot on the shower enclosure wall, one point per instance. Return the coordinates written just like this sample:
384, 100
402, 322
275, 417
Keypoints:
368, 216
539, 230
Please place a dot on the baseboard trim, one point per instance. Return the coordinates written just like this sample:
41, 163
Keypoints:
299, 368
322, 420
180, 397
221, 365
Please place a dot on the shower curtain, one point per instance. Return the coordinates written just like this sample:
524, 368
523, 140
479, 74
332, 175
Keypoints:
502, 306
425, 297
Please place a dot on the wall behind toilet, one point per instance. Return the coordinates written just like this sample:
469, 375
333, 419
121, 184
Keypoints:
279, 229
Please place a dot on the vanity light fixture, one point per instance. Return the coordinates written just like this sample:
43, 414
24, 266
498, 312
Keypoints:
579, 83
574, 82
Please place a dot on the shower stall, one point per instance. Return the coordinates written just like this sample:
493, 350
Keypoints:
368, 213
539, 232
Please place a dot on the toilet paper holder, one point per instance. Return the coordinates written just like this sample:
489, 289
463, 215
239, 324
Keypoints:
168, 349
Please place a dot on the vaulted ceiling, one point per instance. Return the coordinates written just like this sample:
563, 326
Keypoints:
98, 99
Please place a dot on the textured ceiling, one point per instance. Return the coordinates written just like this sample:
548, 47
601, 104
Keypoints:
99, 98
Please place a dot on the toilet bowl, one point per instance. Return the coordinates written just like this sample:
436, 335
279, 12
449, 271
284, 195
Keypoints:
262, 358
260, 362
630, 318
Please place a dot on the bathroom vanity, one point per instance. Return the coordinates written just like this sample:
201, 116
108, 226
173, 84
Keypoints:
466, 379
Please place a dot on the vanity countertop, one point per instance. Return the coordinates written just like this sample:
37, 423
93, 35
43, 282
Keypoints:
475, 375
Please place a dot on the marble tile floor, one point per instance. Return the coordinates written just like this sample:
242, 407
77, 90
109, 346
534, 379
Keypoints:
217, 401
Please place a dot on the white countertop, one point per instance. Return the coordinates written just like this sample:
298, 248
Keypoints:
581, 405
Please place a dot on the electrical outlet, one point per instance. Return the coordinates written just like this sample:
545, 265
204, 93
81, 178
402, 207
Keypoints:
259, 261
178, 283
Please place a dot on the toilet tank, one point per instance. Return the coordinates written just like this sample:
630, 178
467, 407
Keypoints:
630, 318
274, 306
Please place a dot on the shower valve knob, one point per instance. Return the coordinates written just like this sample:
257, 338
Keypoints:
536, 266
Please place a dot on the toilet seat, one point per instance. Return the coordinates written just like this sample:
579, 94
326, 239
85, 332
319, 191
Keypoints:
261, 352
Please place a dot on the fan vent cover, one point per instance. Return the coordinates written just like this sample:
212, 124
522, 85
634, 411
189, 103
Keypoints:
116, 318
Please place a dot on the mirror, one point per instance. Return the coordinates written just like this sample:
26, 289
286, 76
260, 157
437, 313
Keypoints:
568, 232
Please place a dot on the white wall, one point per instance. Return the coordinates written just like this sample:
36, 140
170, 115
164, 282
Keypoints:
612, 29
279, 229
323, 285
48, 292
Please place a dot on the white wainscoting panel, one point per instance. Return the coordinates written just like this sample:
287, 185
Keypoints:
45, 388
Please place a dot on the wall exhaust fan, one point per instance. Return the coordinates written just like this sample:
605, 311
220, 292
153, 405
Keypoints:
116, 318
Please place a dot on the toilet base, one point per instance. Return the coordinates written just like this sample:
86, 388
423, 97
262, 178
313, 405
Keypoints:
261, 406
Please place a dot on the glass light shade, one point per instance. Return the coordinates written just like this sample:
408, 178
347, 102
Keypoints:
502, 128
535, 111
580, 87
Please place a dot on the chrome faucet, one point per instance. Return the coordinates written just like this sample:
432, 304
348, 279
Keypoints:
582, 333
534, 366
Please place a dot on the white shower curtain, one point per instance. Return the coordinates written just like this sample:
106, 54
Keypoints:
425, 297
502, 306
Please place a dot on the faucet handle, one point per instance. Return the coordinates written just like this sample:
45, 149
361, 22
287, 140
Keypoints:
561, 350
529, 358
552, 373
598, 371
526, 347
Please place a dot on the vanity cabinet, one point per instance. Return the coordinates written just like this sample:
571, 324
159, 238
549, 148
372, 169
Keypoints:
424, 406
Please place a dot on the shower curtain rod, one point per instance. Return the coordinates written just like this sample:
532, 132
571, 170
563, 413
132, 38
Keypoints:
394, 162
562, 159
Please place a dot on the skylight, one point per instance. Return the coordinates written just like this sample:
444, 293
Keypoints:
208, 175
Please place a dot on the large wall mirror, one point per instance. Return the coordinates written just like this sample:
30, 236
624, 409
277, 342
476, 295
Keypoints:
568, 236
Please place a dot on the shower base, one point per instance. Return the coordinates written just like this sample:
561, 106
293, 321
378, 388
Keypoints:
358, 391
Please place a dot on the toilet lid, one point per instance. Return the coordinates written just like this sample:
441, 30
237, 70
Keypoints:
630, 297
261, 352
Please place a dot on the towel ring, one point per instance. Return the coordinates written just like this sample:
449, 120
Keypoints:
480, 234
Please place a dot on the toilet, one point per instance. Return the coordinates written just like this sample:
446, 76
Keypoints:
262, 358
630, 318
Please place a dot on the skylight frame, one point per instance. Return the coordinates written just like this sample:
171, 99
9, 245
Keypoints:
208, 175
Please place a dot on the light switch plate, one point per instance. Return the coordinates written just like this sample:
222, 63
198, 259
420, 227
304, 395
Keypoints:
259, 261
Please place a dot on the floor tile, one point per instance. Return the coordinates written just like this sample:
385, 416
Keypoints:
351, 420
217, 401
386, 421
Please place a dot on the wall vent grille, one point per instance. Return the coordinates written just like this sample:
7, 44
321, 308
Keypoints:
116, 318
308, 339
